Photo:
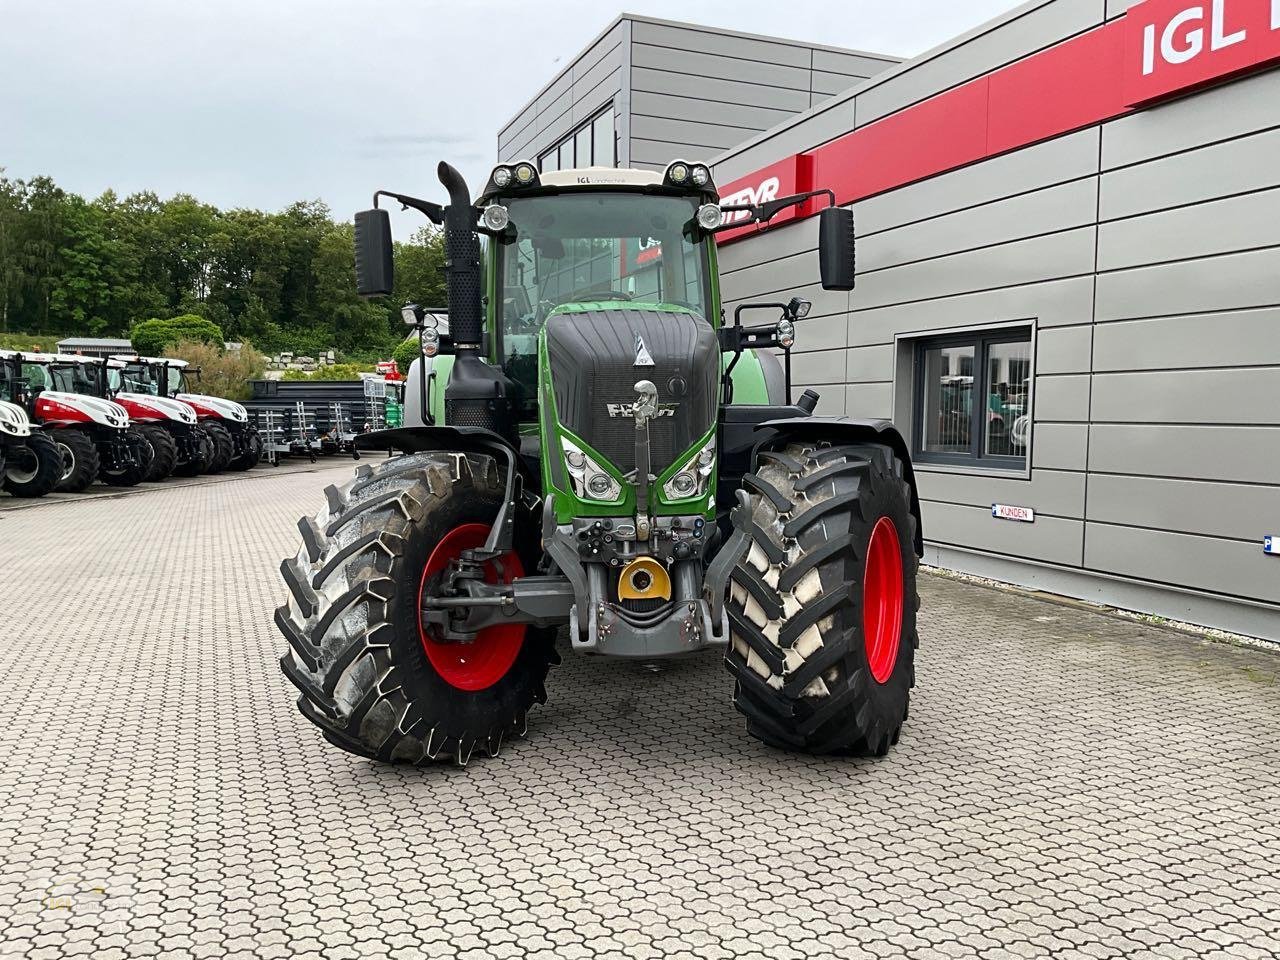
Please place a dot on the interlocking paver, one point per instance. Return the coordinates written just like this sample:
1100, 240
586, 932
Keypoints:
1069, 784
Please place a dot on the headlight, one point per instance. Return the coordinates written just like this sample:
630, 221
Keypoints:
694, 475
710, 216
501, 177
700, 175
589, 481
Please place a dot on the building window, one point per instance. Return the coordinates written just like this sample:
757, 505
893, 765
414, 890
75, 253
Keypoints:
592, 144
973, 399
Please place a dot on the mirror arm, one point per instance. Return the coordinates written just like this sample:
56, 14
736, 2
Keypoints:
432, 211
764, 212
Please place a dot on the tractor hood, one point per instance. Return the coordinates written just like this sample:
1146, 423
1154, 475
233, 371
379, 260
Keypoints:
215, 407
145, 407
597, 353
13, 420
59, 409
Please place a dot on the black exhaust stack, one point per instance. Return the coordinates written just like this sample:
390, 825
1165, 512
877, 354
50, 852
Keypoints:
477, 394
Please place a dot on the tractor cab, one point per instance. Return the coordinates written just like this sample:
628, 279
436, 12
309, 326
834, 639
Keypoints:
158, 376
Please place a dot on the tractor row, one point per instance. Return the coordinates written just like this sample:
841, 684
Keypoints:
67, 421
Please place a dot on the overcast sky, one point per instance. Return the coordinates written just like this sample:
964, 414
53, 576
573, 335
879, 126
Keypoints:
258, 103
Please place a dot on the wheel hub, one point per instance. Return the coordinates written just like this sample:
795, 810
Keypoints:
882, 597
484, 661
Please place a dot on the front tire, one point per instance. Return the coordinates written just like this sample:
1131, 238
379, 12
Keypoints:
370, 678
200, 449
252, 450
79, 460
822, 609
34, 467
136, 469
223, 447
164, 449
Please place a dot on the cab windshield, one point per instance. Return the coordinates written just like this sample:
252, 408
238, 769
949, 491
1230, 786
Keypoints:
76, 378
136, 378
599, 246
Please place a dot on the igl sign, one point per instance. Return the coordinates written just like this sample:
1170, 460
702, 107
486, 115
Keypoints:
1176, 45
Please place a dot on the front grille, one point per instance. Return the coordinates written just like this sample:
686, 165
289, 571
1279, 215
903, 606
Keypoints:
615, 437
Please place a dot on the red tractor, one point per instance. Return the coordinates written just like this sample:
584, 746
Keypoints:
236, 444
170, 424
93, 434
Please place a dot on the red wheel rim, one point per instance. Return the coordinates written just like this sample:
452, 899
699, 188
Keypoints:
486, 660
882, 599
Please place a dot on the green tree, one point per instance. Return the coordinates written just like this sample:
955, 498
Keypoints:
283, 279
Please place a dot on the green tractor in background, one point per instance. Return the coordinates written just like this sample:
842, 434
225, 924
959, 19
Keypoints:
589, 446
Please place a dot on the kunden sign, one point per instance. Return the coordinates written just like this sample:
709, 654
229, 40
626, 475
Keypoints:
1176, 45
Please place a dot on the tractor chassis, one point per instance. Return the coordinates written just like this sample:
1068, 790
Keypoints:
460, 603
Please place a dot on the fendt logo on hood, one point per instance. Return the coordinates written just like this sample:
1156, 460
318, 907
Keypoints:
619, 410
643, 357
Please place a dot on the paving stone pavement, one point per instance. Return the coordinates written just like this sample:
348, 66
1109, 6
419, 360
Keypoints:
1070, 785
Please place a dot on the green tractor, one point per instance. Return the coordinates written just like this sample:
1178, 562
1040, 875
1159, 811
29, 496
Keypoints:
589, 448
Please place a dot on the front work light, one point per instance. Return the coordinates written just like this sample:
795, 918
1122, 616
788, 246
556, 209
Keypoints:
525, 174
496, 217
710, 216
411, 314
430, 342
786, 334
501, 177
678, 172
700, 175
799, 308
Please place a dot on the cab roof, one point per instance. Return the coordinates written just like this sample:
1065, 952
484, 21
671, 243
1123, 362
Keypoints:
588, 178
32, 357
135, 358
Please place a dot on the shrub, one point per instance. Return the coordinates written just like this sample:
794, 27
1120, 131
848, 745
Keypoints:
151, 337
31, 342
223, 373
337, 371
405, 354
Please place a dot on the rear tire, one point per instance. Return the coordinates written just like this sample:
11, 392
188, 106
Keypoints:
34, 467
164, 449
223, 447
370, 679
822, 609
80, 459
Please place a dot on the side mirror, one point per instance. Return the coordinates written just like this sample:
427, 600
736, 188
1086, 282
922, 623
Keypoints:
375, 265
836, 248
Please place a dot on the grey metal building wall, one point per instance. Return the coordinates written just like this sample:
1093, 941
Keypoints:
1145, 252
683, 91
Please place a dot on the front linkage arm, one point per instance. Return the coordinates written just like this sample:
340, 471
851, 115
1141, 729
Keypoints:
461, 615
